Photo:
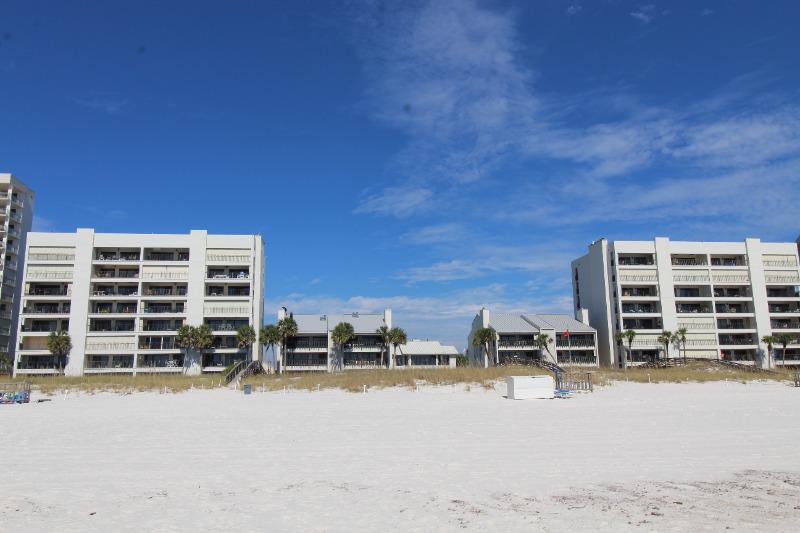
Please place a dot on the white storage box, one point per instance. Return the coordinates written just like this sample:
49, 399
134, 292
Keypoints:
530, 387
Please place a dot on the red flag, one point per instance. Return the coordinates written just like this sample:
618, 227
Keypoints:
566, 333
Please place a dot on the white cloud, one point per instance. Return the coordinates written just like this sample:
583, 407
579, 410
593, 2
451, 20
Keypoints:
41, 223
109, 103
645, 14
574, 9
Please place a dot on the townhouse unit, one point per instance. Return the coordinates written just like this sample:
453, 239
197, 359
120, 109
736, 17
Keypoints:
426, 354
16, 217
122, 298
313, 348
571, 342
728, 296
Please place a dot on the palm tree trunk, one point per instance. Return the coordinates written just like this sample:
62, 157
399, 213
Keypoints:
784, 356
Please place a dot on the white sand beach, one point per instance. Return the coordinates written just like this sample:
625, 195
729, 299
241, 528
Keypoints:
666, 457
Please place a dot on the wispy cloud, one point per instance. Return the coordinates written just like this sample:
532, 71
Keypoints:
438, 233
109, 103
396, 201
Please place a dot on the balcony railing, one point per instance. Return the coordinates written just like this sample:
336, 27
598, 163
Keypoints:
110, 346
157, 310
787, 263
689, 325
681, 261
629, 277
785, 325
114, 293
165, 292
48, 292
732, 278
576, 359
66, 274
161, 327
306, 360
240, 275
577, 343
308, 344
515, 343
222, 258
112, 311
690, 278
50, 257
783, 309
736, 341
121, 274
46, 311
233, 310
165, 275
781, 279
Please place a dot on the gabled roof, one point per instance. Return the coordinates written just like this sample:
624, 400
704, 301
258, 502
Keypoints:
534, 323
363, 323
507, 323
415, 347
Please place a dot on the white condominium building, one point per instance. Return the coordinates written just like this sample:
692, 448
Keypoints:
313, 348
571, 341
426, 354
16, 216
728, 295
122, 297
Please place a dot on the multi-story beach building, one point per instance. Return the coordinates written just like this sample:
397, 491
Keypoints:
122, 298
571, 341
16, 217
728, 296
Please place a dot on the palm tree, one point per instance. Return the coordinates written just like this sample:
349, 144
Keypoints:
198, 338
483, 338
542, 340
287, 330
203, 338
397, 336
665, 339
783, 339
680, 338
245, 337
59, 344
385, 339
628, 335
342, 334
770, 341
184, 338
269, 336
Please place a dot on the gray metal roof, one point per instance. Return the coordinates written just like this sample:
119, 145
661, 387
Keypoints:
507, 323
415, 347
363, 323
562, 323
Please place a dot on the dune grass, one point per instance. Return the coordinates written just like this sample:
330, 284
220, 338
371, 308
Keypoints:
119, 383
355, 380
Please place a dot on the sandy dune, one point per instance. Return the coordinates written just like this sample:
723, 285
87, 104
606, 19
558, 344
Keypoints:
628, 457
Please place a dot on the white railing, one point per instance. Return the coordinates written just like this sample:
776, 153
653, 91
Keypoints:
786, 263
693, 279
732, 279
782, 279
165, 275
50, 257
220, 258
111, 346
701, 342
227, 311
50, 275
637, 278
688, 325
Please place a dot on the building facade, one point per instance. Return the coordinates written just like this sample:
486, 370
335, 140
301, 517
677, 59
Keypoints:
313, 349
16, 210
426, 354
571, 342
122, 298
728, 296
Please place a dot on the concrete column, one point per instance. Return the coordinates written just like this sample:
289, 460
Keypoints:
758, 285
387, 318
79, 309
666, 286
195, 295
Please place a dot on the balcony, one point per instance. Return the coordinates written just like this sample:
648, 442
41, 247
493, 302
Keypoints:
121, 291
785, 308
780, 324
110, 326
731, 292
739, 340
109, 309
230, 310
638, 278
734, 324
114, 256
689, 261
165, 275
226, 325
783, 292
62, 274
731, 278
109, 362
356, 360
227, 258
124, 274
162, 325
50, 257
788, 263
691, 278
729, 261
43, 327
782, 278
575, 343
576, 359
157, 343
109, 346
320, 360
733, 308
166, 361
221, 360
47, 310
630, 292
641, 323
308, 343
696, 325
163, 309
174, 255
216, 291
636, 260
235, 275
693, 308
165, 291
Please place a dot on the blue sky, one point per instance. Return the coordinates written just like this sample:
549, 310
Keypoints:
432, 156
